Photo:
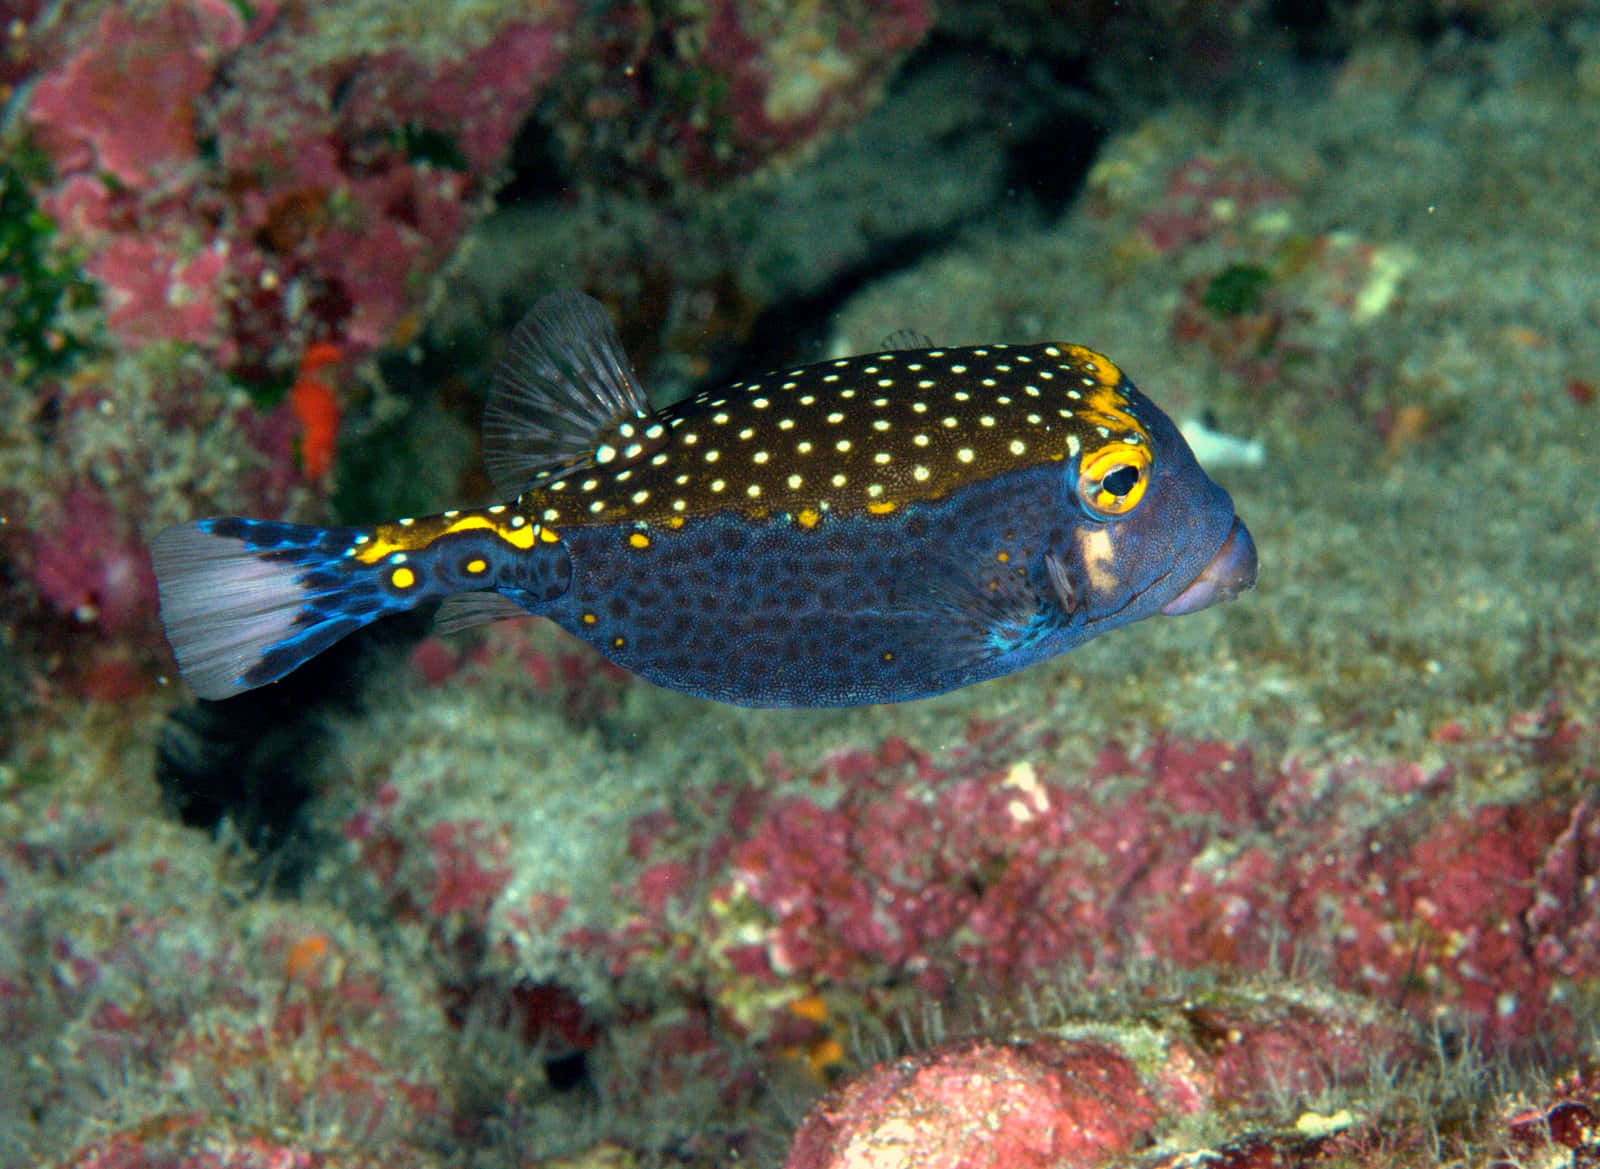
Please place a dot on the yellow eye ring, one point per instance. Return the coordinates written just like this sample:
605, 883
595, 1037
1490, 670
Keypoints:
1112, 480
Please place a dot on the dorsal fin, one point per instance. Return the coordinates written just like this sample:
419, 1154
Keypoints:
564, 382
905, 339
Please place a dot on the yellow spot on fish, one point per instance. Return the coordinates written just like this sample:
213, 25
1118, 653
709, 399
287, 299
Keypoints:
808, 518
477, 566
639, 540
882, 507
589, 618
402, 578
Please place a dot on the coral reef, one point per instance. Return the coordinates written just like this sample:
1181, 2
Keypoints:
168, 1020
251, 217
896, 870
1311, 881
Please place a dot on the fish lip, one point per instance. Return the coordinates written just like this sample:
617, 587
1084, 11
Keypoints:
1230, 572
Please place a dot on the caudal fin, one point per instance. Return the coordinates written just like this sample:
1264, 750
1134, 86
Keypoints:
246, 601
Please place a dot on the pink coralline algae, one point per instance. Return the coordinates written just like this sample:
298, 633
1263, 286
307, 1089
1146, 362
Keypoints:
91, 566
589, 686
785, 76
469, 870
979, 869
449, 876
1569, 1119
226, 199
125, 103
745, 83
1040, 1103
480, 98
199, 1140
1204, 196
160, 289
1561, 1127
1279, 1075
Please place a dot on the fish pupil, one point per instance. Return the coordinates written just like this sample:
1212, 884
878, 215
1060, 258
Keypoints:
1122, 480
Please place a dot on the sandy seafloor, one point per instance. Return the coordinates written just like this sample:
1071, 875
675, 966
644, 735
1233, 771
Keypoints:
1426, 510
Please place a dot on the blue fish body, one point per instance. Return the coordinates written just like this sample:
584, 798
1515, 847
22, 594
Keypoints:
872, 529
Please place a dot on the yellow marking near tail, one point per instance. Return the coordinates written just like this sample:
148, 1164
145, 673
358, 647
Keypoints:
415, 535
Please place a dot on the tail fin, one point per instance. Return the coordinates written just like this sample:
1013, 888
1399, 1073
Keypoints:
246, 601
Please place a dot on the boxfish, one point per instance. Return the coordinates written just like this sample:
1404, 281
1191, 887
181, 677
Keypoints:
869, 529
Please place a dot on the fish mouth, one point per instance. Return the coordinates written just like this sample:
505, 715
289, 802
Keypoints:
1231, 571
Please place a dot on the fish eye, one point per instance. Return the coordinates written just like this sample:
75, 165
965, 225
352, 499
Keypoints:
1112, 481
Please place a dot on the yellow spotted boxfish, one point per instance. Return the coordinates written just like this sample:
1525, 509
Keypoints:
872, 529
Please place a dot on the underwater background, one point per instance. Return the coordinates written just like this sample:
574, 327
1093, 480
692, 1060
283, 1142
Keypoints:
1312, 878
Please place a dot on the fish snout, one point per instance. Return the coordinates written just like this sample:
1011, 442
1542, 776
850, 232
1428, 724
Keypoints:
1230, 572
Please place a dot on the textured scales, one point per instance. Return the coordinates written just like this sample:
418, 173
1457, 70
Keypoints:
870, 529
